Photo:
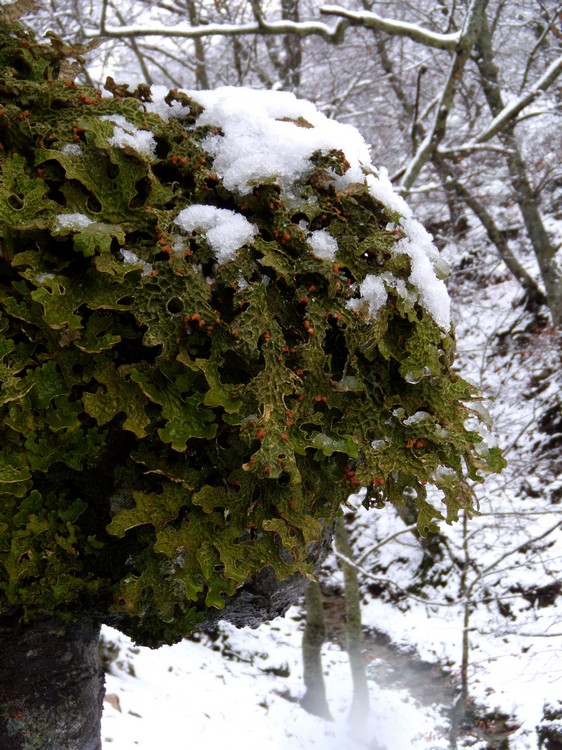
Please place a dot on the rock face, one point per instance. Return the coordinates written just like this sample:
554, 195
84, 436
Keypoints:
264, 597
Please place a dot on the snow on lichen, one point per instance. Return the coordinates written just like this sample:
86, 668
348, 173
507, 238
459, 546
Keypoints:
165, 110
72, 149
433, 295
373, 296
323, 244
126, 135
74, 221
131, 259
271, 136
225, 230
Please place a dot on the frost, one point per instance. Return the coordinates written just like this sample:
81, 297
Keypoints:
373, 296
73, 221
126, 135
225, 230
323, 245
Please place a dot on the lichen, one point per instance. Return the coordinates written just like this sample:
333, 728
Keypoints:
170, 425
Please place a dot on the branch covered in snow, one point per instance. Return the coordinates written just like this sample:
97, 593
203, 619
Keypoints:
465, 43
412, 31
511, 111
333, 34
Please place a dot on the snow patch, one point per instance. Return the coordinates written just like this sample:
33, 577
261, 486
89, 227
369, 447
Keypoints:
225, 230
131, 259
373, 296
323, 245
271, 135
73, 221
126, 135
71, 149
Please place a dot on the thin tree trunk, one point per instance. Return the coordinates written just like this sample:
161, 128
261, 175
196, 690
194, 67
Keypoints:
314, 700
200, 61
354, 633
51, 686
545, 251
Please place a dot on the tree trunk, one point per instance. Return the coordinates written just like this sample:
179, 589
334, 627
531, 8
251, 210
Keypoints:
51, 686
354, 632
314, 700
545, 251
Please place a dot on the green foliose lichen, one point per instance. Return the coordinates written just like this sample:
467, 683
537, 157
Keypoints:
170, 426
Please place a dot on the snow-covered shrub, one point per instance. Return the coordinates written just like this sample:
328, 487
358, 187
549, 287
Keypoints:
216, 320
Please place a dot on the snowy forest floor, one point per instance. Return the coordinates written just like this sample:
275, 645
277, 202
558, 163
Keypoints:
495, 578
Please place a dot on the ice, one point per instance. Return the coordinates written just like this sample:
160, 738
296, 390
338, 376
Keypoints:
225, 230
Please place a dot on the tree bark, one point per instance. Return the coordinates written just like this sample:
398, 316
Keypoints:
51, 686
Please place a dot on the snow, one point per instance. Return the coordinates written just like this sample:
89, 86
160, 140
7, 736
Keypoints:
432, 292
226, 231
372, 296
126, 135
73, 221
209, 694
164, 110
72, 149
323, 244
271, 135
131, 259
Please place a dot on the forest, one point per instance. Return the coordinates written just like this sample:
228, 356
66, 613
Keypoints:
435, 620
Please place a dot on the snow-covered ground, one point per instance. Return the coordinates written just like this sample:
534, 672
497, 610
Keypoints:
190, 695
